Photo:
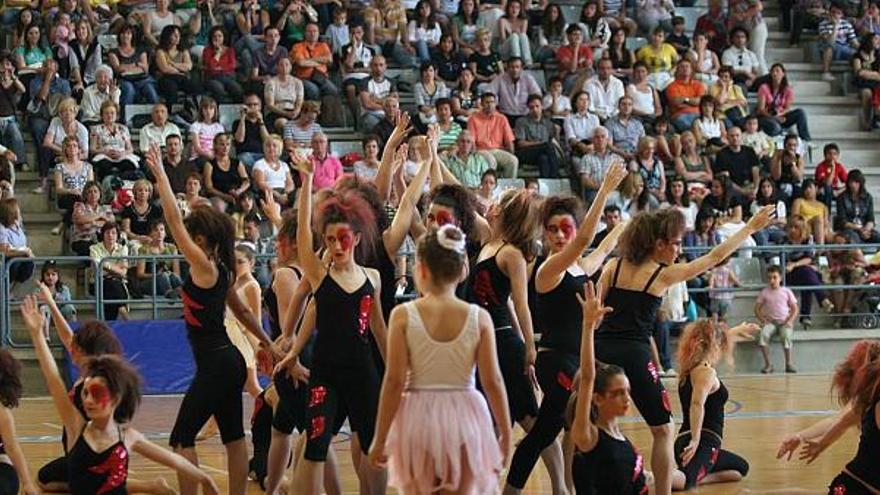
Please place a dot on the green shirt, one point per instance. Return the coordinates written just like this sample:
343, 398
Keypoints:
468, 172
450, 136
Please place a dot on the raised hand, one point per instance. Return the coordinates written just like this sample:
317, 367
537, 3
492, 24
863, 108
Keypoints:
154, 162
45, 293
762, 218
33, 318
403, 128
615, 175
302, 164
594, 310
270, 206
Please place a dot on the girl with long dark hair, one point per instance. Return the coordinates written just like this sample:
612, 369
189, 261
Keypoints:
775, 100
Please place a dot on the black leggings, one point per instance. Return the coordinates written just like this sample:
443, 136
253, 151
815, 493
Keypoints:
709, 458
511, 351
54, 471
847, 485
637, 361
215, 391
8, 479
290, 412
555, 372
261, 436
169, 85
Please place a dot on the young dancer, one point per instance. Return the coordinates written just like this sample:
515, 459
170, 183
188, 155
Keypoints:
249, 292
703, 396
206, 240
433, 427
633, 286
343, 374
14, 471
857, 383
558, 279
99, 445
604, 460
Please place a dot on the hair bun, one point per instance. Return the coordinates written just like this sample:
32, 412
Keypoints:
452, 238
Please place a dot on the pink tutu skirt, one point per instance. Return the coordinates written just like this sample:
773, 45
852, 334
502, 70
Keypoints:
439, 436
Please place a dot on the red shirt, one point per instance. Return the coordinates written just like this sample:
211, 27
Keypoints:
824, 169
565, 56
224, 66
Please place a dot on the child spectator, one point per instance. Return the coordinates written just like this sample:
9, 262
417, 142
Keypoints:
253, 238
776, 309
830, 175
721, 279
52, 286
557, 105
678, 38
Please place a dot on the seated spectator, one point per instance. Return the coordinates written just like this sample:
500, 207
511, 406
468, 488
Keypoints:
488, 192
855, 210
465, 101
650, 168
513, 89
729, 208
696, 243
199, 25
267, 59
677, 197
271, 175
14, 244
801, 270
513, 33
668, 142
176, 168
739, 163
580, 125
367, 167
155, 22
225, 177
253, 237
837, 40
813, 211
339, 33
465, 162
423, 32
132, 63
869, 23
684, 95
721, 279
447, 128
632, 198
830, 175
746, 14
192, 196
484, 63
140, 214
465, 24
11, 89
250, 131
173, 67
714, 24
743, 61
776, 309
706, 63
536, 139
448, 60
659, 57
327, 168
769, 195
386, 27
605, 91
427, 91
678, 38
57, 291
203, 132
787, 168
158, 130
291, 26
299, 132
622, 58
845, 267
283, 95
730, 97
551, 33
611, 219
624, 130
354, 62
311, 65
806, 14
595, 27
7, 178
493, 134
61, 127
89, 215
654, 14
708, 129
775, 99
218, 68
759, 141
71, 174
167, 272
47, 90
31, 54
575, 58
245, 206
645, 97
557, 105
252, 20
103, 89
114, 272
112, 152
691, 165
867, 77
84, 56
373, 92
592, 166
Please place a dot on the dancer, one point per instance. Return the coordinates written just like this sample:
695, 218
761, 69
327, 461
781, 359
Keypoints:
206, 240
248, 290
857, 383
633, 286
604, 461
99, 445
14, 471
433, 428
703, 396
343, 374
558, 279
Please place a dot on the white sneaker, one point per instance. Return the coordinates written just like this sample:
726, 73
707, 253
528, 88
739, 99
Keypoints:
827, 76
39, 190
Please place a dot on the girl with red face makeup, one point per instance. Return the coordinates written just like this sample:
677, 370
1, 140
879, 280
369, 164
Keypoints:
99, 445
558, 279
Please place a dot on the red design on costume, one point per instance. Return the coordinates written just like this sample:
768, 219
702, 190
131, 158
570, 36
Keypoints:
317, 395
364, 310
665, 396
702, 474
838, 490
115, 467
190, 305
639, 466
567, 227
317, 428
564, 381
652, 369
713, 458
483, 289
259, 402
443, 218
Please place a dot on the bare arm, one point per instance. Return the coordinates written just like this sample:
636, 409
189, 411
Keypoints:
593, 261
65, 334
313, 269
246, 317
396, 367
172, 460
584, 433
13, 450
702, 379
395, 235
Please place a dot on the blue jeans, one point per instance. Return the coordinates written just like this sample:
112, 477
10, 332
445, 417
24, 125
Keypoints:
422, 50
225, 89
249, 159
10, 136
39, 127
685, 121
318, 85
795, 117
141, 91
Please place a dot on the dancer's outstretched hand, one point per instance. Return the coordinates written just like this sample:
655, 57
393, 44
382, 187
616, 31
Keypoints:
789, 445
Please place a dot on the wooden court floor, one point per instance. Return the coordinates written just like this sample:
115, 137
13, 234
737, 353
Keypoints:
762, 411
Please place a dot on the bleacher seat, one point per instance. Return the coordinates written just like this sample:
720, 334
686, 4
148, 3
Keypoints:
633, 44
690, 14
227, 115
748, 271
132, 111
342, 148
504, 184
540, 78
554, 186
571, 13
108, 42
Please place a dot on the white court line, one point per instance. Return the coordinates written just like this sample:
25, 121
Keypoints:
53, 425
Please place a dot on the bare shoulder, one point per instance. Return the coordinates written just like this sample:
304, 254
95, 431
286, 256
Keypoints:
374, 277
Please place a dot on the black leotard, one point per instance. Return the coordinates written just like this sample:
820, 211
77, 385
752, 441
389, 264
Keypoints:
385, 266
490, 288
537, 320
634, 313
343, 322
713, 409
98, 473
562, 315
204, 314
270, 301
864, 465
612, 467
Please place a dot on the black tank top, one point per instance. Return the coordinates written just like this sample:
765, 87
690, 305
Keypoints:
270, 301
864, 465
634, 312
75, 396
343, 322
537, 320
225, 180
613, 467
204, 310
490, 288
562, 315
713, 409
385, 266
97, 473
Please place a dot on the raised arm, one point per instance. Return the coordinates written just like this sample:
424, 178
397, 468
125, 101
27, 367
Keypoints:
593, 261
393, 383
386, 166
395, 235
65, 334
174, 461
312, 268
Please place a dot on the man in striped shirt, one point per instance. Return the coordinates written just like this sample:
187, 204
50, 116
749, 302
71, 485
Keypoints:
838, 40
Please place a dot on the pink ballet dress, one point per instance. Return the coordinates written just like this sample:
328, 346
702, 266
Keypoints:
443, 425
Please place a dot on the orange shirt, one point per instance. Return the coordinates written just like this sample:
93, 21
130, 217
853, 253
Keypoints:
681, 89
302, 51
490, 132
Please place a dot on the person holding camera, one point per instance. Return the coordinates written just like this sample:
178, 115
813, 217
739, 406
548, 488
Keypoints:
250, 131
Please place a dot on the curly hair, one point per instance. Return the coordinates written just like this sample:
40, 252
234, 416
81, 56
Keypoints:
96, 338
123, 381
350, 208
701, 341
642, 233
518, 220
857, 378
461, 201
10, 379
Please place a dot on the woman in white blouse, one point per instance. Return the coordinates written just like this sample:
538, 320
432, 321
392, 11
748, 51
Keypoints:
424, 32
112, 151
513, 33
283, 96
273, 175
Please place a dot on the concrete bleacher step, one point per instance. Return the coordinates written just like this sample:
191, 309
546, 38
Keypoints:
784, 55
29, 202
806, 89
824, 124
815, 351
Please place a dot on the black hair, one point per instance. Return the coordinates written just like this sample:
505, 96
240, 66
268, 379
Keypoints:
219, 233
10, 379
830, 147
123, 381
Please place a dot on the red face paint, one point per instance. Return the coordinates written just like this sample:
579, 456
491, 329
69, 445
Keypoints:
345, 238
99, 393
443, 217
567, 227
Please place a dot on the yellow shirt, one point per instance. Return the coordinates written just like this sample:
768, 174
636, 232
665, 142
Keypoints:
658, 60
